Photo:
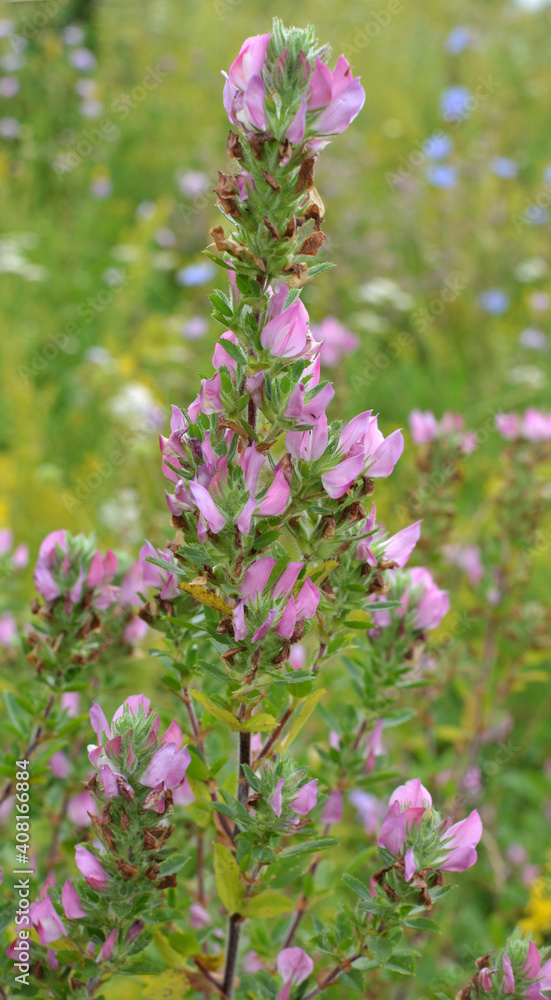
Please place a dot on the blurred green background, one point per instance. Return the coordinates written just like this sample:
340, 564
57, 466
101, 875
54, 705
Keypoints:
111, 134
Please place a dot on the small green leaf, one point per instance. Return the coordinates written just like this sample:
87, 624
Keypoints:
266, 904
228, 882
358, 887
321, 844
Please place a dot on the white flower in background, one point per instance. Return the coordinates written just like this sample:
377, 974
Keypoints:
384, 291
13, 261
531, 4
122, 515
192, 182
531, 270
527, 375
136, 406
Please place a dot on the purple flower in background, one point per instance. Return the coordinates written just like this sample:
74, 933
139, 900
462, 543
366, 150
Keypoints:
459, 39
442, 175
504, 167
83, 60
73, 35
195, 274
494, 301
534, 340
9, 86
154, 576
454, 103
8, 629
437, 146
423, 426
9, 128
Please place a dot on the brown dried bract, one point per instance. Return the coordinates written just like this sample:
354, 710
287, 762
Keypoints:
273, 231
271, 181
234, 148
127, 871
312, 244
226, 195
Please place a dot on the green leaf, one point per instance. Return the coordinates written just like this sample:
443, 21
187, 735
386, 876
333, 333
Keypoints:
213, 671
381, 949
302, 718
228, 882
422, 924
261, 723
358, 887
221, 714
266, 904
221, 303
173, 864
321, 844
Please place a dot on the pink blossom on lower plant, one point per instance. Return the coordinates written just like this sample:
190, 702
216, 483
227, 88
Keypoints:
294, 966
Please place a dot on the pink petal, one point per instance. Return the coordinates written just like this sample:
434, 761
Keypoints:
276, 800
256, 577
386, 456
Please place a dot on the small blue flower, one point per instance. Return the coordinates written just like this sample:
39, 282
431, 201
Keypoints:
454, 103
437, 146
536, 215
494, 301
441, 175
503, 166
458, 40
195, 274
547, 174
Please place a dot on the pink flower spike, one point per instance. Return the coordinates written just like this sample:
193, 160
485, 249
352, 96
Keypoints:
108, 948
399, 548
207, 507
265, 627
307, 600
409, 864
45, 918
508, 975
287, 579
285, 336
386, 456
71, 902
173, 735
276, 800
91, 868
277, 497
306, 798
99, 722
413, 793
256, 577
338, 480
347, 100
294, 966
321, 86
287, 622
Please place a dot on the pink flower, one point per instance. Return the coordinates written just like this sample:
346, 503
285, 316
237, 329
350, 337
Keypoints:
332, 810
366, 449
79, 807
244, 90
59, 765
508, 975
459, 844
167, 767
8, 630
70, 702
294, 966
336, 341
423, 426
433, 604
309, 445
338, 94
286, 336
199, 916
374, 746
154, 576
71, 902
535, 970
395, 550
44, 917
306, 798
508, 425
20, 556
91, 868
276, 800
536, 426
406, 808
108, 946
467, 558
6, 541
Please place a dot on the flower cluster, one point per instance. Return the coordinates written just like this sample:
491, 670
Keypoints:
515, 971
532, 425
425, 429
422, 843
